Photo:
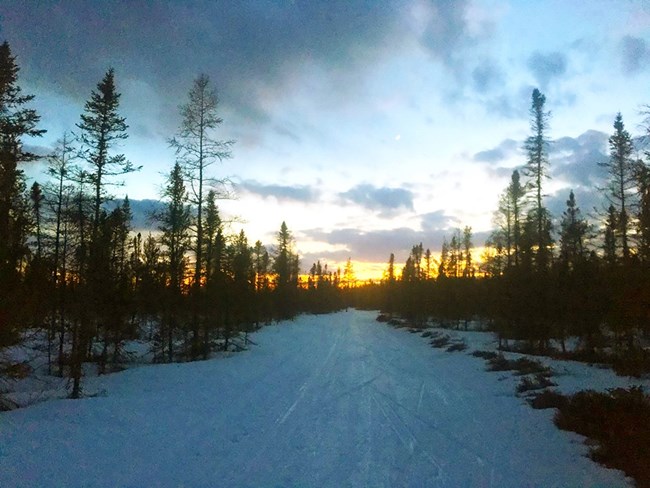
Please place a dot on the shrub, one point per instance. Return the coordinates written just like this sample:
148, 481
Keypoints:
620, 423
548, 399
485, 354
499, 363
522, 365
528, 366
537, 382
441, 341
459, 346
635, 362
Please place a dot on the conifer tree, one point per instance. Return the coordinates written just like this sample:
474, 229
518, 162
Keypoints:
16, 122
536, 170
174, 225
102, 128
573, 232
642, 177
621, 184
348, 275
36, 197
610, 247
215, 242
285, 267
468, 270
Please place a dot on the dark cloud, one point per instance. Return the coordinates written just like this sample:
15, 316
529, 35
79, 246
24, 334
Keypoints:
504, 150
590, 201
303, 194
576, 159
437, 220
635, 54
142, 211
487, 76
445, 31
252, 50
385, 200
546, 67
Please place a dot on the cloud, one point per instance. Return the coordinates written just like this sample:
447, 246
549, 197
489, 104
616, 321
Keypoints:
589, 200
438, 220
546, 67
443, 28
635, 54
377, 246
303, 194
385, 200
575, 160
142, 211
506, 149
486, 76
253, 51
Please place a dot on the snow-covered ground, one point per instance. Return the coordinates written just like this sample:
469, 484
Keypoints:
332, 400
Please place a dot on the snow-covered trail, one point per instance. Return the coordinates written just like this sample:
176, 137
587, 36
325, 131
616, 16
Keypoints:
334, 400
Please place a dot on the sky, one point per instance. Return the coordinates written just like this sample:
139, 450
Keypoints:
368, 126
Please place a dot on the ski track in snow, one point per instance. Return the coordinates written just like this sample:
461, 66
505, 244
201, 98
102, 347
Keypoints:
329, 401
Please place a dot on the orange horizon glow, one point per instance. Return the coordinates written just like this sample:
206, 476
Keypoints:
365, 271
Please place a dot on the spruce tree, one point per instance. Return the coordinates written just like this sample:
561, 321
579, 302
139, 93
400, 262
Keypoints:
642, 177
174, 224
610, 246
573, 232
285, 267
102, 128
621, 184
16, 122
536, 170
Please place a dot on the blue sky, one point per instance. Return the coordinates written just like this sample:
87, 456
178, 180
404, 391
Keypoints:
369, 126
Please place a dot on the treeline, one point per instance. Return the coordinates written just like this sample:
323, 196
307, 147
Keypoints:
74, 269
545, 277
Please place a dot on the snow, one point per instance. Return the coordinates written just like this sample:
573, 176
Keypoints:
329, 400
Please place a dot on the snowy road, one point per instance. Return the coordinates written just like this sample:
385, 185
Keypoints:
335, 400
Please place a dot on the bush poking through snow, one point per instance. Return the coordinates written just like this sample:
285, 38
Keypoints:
6, 404
458, 346
441, 341
548, 399
522, 365
635, 362
499, 363
537, 382
620, 423
485, 354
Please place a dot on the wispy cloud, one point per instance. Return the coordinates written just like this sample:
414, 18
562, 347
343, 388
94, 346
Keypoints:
298, 193
506, 149
382, 199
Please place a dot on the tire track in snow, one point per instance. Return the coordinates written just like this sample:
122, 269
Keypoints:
304, 387
407, 437
435, 427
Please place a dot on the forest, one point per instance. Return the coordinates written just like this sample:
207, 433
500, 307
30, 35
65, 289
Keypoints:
73, 270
